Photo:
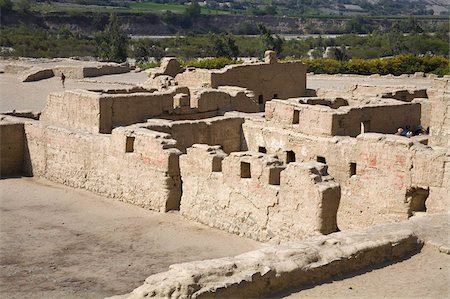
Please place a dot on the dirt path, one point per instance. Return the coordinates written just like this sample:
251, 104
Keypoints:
59, 242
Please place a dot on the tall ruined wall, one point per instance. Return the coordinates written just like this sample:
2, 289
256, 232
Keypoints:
266, 80
379, 174
132, 164
11, 148
274, 80
253, 195
74, 109
220, 130
98, 112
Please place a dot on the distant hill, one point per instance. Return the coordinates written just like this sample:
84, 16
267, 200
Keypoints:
295, 8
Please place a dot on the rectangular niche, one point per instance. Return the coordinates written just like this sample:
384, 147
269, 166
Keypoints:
245, 170
296, 117
290, 157
129, 146
352, 169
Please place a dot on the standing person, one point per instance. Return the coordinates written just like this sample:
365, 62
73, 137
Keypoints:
63, 79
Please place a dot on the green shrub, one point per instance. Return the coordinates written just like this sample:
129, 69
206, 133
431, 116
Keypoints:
211, 63
401, 64
148, 65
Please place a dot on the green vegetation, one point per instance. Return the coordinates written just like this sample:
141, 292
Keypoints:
401, 64
112, 43
211, 63
36, 42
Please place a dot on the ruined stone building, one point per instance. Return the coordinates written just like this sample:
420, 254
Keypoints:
246, 149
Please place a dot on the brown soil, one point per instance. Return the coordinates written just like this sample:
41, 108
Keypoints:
59, 242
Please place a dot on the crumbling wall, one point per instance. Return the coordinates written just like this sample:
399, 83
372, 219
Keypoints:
74, 109
376, 172
220, 130
253, 195
11, 148
97, 112
382, 117
440, 120
266, 80
132, 164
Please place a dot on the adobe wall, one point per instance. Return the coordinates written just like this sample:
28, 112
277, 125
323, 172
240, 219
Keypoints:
381, 116
221, 130
440, 120
266, 80
194, 78
11, 148
77, 109
286, 79
101, 111
266, 202
132, 164
388, 168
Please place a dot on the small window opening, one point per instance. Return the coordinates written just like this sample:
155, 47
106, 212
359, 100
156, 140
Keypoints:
245, 170
321, 159
262, 149
217, 164
274, 176
296, 118
275, 95
290, 157
365, 126
260, 99
352, 169
129, 147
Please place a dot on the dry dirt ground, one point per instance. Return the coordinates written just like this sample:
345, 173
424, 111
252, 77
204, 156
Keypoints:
424, 275
59, 242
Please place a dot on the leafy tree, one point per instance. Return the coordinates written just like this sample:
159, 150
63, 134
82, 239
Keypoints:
24, 6
270, 42
5, 6
112, 43
224, 45
193, 10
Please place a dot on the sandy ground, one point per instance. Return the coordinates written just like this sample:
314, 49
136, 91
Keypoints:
425, 275
33, 95
59, 242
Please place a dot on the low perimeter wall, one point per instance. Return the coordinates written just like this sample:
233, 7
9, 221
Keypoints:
268, 271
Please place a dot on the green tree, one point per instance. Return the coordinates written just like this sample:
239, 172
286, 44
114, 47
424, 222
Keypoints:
193, 10
224, 45
270, 42
112, 44
24, 6
5, 6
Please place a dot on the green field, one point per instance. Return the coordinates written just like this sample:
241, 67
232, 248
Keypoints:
146, 7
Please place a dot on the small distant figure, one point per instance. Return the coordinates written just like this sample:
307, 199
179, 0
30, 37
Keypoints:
409, 134
63, 80
399, 132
